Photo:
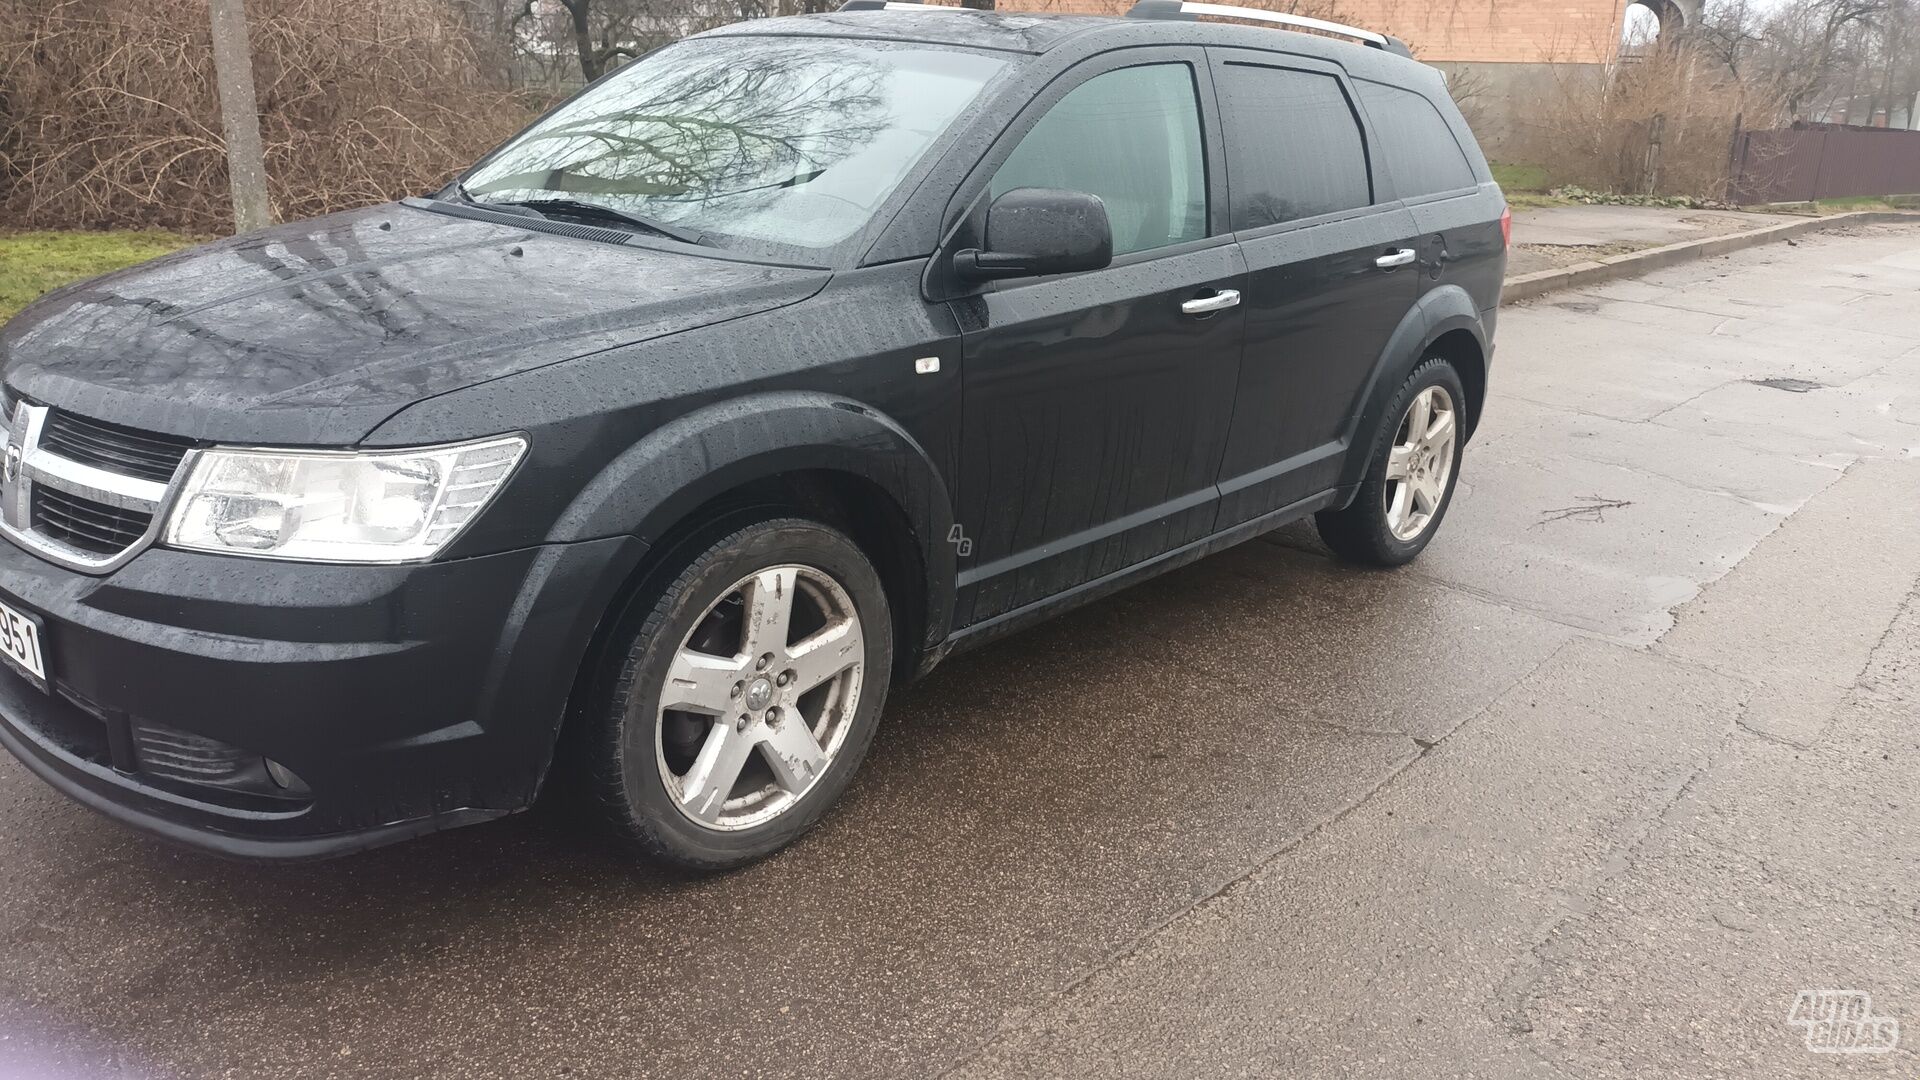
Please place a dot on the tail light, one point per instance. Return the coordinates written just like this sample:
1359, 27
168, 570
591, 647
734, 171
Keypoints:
1506, 226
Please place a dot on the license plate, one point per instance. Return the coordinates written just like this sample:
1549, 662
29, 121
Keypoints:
20, 644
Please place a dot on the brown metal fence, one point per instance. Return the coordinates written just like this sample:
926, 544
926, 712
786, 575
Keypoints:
1824, 161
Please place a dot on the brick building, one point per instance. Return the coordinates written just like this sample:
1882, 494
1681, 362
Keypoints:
1506, 54
1450, 31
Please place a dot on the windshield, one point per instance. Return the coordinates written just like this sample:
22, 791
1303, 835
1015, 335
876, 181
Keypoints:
781, 145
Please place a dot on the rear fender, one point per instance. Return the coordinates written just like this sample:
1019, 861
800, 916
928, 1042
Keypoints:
1442, 310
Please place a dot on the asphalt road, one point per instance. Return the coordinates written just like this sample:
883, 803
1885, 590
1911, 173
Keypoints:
1624, 763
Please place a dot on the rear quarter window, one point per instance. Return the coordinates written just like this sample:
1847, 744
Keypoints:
1415, 143
1294, 148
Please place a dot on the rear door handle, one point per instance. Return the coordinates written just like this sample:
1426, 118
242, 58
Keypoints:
1394, 258
1207, 305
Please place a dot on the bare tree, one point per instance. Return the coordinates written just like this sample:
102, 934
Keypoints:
239, 115
600, 30
1730, 33
602, 33
1808, 51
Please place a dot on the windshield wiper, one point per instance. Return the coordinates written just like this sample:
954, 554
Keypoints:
588, 209
461, 193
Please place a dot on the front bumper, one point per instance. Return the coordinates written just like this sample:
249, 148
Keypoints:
407, 698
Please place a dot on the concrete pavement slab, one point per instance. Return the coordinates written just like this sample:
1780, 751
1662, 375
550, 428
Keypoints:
1753, 622
1607, 367
1504, 827
1777, 286
1590, 301
1303, 638
1781, 870
1691, 965
1779, 480
1865, 418
1599, 546
1830, 354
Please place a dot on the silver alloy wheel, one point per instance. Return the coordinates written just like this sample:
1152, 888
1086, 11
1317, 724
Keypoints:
1420, 463
760, 724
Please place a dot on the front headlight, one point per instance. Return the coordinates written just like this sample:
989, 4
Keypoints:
375, 506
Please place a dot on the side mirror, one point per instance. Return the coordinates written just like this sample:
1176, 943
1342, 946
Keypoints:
1035, 231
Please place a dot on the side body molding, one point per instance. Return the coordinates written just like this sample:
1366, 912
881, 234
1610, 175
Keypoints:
692, 459
1442, 310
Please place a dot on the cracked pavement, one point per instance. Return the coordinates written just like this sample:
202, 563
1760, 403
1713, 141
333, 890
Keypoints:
1621, 765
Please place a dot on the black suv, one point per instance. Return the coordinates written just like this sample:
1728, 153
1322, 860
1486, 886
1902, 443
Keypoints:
759, 375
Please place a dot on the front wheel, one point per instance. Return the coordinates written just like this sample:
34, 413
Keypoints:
1410, 477
741, 703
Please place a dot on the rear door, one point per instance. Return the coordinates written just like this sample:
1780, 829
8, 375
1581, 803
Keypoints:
1426, 154
1096, 404
1330, 272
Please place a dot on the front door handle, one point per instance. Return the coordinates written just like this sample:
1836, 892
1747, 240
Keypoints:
1394, 258
1207, 305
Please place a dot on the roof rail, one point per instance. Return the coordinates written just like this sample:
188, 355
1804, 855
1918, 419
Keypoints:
897, 5
1191, 9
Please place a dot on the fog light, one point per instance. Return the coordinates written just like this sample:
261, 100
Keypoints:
285, 777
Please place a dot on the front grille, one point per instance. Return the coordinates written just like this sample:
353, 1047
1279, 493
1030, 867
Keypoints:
80, 492
114, 448
85, 524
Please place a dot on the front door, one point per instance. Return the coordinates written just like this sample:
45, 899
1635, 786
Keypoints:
1096, 405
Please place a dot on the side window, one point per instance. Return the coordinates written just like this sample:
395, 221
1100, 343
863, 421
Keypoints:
1294, 148
1132, 137
1421, 153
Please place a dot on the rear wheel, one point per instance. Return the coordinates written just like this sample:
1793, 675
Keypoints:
1410, 477
741, 702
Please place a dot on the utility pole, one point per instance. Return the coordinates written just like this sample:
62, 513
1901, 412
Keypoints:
239, 114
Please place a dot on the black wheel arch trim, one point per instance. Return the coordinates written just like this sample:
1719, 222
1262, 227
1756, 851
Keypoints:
698, 457
1440, 312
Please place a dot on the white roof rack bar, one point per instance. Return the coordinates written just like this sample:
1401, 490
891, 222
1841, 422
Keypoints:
898, 5
1229, 11
1187, 9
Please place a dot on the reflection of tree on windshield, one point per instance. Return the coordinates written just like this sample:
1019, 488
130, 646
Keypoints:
686, 134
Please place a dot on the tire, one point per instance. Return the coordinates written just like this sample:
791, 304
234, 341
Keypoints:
1393, 517
654, 734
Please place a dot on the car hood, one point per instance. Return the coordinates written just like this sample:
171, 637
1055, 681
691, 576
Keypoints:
312, 333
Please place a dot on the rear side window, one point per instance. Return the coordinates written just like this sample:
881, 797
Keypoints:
1132, 137
1421, 153
1294, 148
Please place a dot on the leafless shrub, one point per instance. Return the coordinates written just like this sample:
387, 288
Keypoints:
1661, 124
108, 114
1472, 95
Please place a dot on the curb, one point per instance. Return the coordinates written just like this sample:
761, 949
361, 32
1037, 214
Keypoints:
1633, 263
